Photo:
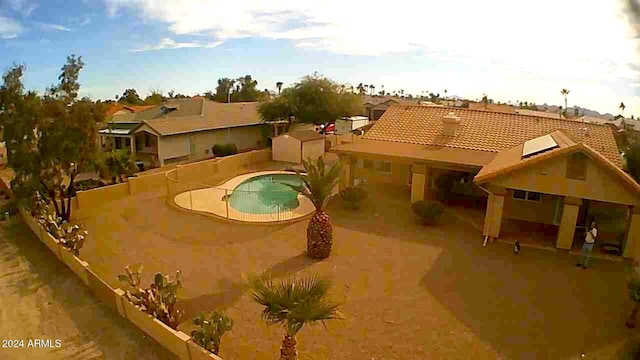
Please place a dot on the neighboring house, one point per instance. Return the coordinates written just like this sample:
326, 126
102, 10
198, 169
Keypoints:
297, 146
528, 168
185, 129
348, 124
539, 113
375, 106
503, 108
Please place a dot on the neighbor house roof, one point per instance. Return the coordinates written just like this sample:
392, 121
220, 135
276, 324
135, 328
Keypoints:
538, 113
492, 107
192, 115
480, 130
114, 108
377, 100
305, 135
510, 160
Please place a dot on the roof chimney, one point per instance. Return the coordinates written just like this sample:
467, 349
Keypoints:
450, 124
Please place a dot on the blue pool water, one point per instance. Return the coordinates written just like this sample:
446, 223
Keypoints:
266, 194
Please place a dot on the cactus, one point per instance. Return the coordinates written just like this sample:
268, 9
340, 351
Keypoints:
210, 330
159, 300
70, 236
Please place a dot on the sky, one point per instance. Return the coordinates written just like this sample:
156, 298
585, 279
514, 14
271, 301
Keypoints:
512, 50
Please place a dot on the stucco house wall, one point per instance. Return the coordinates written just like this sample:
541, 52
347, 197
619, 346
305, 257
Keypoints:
543, 211
399, 174
245, 137
312, 149
173, 146
549, 177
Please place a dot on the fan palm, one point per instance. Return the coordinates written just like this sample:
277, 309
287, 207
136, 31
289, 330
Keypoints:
622, 107
564, 93
318, 185
293, 303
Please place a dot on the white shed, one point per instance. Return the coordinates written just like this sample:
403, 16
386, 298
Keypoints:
346, 125
294, 146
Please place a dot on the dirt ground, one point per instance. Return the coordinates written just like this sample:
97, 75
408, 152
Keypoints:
409, 292
41, 299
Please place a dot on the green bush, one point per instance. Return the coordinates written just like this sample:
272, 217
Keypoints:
224, 149
427, 210
353, 196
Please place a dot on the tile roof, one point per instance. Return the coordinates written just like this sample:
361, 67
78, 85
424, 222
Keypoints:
538, 113
305, 135
492, 107
200, 115
510, 160
376, 100
483, 130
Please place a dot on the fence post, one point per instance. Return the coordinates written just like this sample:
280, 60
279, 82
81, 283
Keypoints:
190, 197
226, 197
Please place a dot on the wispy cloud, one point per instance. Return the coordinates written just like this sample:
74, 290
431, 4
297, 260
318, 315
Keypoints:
23, 7
85, 21
51, 27
166, 43
9, 28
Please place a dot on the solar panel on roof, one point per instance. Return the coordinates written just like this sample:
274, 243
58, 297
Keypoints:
538, 145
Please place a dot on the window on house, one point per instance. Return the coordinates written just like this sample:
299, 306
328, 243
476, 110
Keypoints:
384, 166
577, 166
127, 142
526, 195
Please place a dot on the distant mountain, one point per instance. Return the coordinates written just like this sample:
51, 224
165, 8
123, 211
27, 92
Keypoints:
571, 110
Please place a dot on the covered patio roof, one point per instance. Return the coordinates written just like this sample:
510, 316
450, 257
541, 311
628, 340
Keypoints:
417, 152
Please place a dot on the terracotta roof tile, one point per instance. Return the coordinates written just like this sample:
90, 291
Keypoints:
484, 130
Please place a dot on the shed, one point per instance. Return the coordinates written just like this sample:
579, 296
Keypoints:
295, 146
346, 125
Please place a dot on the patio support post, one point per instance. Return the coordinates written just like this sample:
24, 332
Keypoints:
133, 145
419, 181
632, 249
568, 222
493, 216
347, 174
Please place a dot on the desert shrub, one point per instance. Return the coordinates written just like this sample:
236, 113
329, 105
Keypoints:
224, 149
159, 299
210, 330
353, 196
427, 210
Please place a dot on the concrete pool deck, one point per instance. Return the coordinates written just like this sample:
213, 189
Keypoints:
210, 200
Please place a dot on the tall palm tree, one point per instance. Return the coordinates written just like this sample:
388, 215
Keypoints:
293, 303
622, 107
372, 89
361, 89
279, 86
564, 93
318, 184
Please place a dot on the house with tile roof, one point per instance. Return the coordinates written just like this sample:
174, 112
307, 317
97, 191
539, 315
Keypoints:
523, 169
375, 106
185, 129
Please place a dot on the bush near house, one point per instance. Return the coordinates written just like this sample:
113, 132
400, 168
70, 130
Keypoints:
427, 210
224, 149
353, 196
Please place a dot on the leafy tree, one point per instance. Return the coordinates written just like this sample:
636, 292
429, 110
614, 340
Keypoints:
155, 98
115, 165
64, 131
292, 303
314, 100
130, 97
223, 90
318, 185
248, 91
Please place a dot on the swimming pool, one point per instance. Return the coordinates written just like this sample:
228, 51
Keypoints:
266, 194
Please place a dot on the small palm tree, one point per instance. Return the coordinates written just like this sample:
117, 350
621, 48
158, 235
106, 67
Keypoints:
564, 93
293, 303
318, 185
622, 107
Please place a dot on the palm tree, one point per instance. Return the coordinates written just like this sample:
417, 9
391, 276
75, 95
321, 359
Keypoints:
372, 88
622, 107
279, 86
318, 185
361, 89
293, 303
564, 93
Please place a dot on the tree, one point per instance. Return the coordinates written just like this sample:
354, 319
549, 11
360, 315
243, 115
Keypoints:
279, 86
115, 165
314, 100
361, 89
130, 97
292, 303
372, 88
632, 159
622, 107
155, 98
247, 91
223, 90
485, 100
565, 93
64, 131
318, 184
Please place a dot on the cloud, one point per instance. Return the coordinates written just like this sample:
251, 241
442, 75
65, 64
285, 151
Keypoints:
9, 28
85, 21
166, 43
23, 7
51, 27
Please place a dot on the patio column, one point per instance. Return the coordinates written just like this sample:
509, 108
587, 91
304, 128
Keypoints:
419, 181
133, 146
347, 174
493, 215
568, 222
632, 249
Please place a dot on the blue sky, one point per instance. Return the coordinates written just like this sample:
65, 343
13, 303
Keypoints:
510, 50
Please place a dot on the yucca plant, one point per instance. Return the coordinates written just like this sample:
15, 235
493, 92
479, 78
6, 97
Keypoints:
318, 185
292, 303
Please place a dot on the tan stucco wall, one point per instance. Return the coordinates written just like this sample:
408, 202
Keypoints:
399, 174
542, 211
97, 197
173, 146
246, 137
549, 177
567, 226
312, 149
154, 183
287, 149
